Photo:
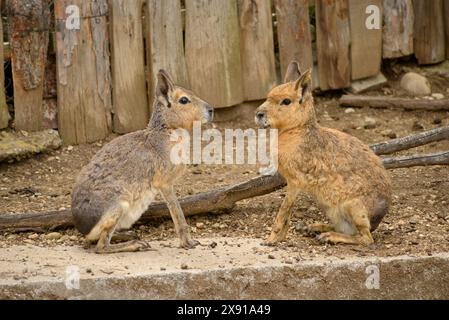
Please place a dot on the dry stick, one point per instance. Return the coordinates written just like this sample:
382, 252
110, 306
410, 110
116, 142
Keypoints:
224, 199
388, 102
441, 158
411, 141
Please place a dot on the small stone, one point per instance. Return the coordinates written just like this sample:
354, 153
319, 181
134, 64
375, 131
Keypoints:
52, 236
213, 244
270, 256
369, 123
29, 241
73, 238
69, 148
33, 236
163, 269
216, 225
438, 96
415, 84
349, 110
199, 225
184, 266
197, 171
89, 270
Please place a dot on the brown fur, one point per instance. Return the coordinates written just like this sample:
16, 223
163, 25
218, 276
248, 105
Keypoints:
344, 176
119, 183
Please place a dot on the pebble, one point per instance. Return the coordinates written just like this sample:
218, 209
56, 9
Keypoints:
33, 236
437, 121
52, 236
199, 225
184, 266
415, 84
270, 256
73, 238
349, 110
369, 123
388, 133
417, 126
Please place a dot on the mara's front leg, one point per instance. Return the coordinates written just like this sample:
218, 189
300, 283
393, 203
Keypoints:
181, 226
282, 221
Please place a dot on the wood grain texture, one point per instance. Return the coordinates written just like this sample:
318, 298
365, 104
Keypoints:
83, 73
333, 41
28, 22
129, 94
213, 51
446, 25
4, 114
429, 41
393, 102
165, 45
398, 26
366, 44
293, 30
256, 48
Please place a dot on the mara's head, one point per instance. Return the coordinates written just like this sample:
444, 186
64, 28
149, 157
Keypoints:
289, 105
177, 106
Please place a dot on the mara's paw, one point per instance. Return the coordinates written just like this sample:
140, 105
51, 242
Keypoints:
327, 237
314, 229
141, 245
274, 239
189, 244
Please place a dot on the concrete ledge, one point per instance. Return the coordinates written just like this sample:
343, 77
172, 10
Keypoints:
233, 269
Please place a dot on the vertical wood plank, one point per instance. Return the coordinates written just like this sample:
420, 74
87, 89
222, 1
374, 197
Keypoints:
257, 48
429, 31
293, 30
333, 40
446, 26
165, 44
129, 94
4, 114
398, 21
366, 44
28, 21
213, 51
83, 73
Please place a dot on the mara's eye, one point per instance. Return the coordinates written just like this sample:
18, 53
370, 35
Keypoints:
184, 100
285, 102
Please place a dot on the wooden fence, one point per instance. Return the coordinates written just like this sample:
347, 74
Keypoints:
227, 51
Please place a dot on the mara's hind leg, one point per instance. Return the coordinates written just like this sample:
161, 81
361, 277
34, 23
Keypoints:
355, 212
104, 230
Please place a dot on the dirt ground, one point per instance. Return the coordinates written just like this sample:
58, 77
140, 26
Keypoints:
417, 224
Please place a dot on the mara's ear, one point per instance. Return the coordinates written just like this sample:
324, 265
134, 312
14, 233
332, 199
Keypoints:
304, 84
164, 85
293, 72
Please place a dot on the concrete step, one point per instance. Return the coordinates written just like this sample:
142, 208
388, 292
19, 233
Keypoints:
222, 268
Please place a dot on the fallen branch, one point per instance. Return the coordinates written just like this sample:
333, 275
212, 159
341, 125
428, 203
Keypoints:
214, 201
441, 158
411, 141
389, 102
224, 199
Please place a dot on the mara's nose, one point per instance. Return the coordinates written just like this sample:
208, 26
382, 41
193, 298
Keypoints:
260, 115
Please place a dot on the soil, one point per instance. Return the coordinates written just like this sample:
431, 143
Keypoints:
418, 223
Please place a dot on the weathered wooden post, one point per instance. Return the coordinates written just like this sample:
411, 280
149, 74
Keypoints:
165, 45
397, 38
4, 114
366, 37
213, 51
83, 70
293, 30
333, 40
446, 25
29, 22
257, 48
429, 31
129, 94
